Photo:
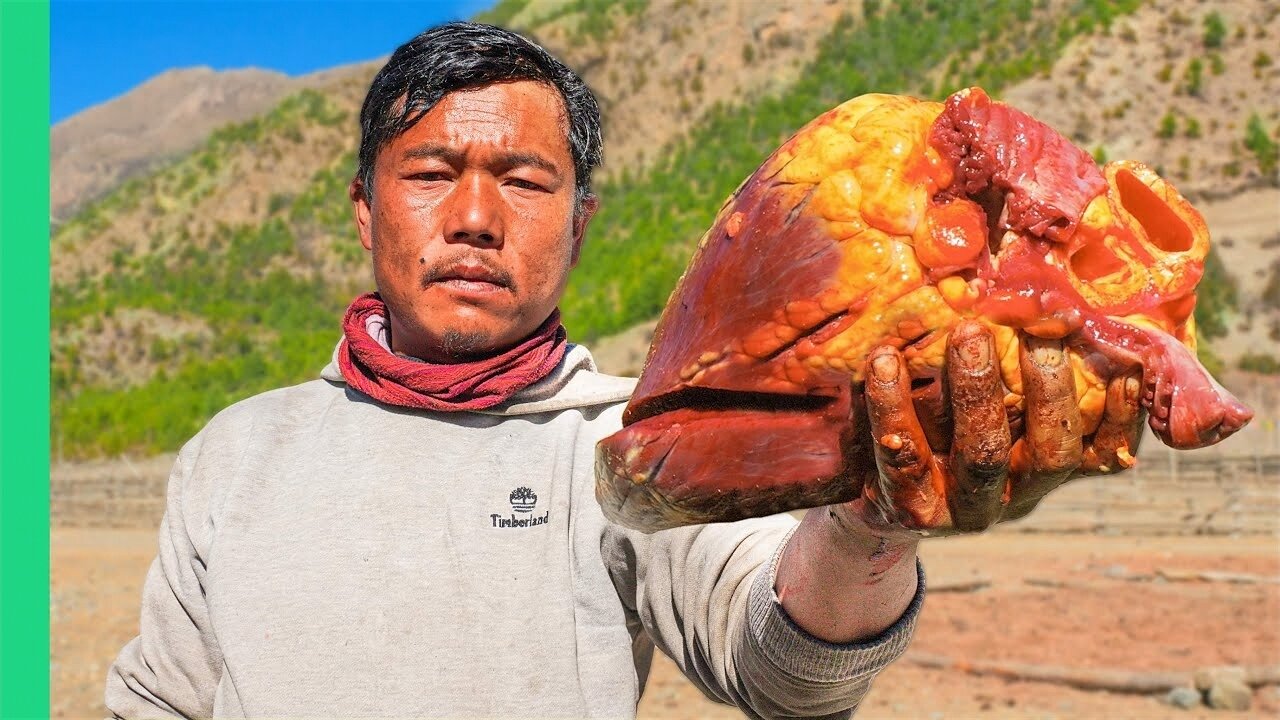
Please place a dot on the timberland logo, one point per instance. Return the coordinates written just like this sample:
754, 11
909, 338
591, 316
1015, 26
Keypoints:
523, 501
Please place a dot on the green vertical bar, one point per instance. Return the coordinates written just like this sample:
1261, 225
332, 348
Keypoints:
24, 359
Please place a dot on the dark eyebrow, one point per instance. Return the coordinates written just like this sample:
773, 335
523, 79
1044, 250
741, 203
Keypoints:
503, 160
521, 158
433, 151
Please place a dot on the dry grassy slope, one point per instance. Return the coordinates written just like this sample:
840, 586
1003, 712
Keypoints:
657, 72
166, 216
170, 114
1113, 90
238, 191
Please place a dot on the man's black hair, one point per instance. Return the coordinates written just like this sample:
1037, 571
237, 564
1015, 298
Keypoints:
460, 55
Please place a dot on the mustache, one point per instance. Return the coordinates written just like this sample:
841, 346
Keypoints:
468, 265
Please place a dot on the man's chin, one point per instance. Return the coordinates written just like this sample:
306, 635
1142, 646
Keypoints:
458, 345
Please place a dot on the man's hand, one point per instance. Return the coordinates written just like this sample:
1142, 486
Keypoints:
934, 481
947, 460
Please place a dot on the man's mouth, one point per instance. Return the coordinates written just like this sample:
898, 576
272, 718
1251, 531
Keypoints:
468, 276
469, 286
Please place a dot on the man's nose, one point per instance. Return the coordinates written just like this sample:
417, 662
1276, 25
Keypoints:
474, 215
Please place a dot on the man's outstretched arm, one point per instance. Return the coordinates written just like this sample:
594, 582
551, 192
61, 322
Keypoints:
704, 594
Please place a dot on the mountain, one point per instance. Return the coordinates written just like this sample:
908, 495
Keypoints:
166, 116
223, 270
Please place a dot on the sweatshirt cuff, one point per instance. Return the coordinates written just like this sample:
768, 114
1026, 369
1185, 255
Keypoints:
797, 653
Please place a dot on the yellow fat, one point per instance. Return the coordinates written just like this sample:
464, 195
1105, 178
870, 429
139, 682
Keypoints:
1006, 339
838, 198
922, 306
1091, 392
959, 294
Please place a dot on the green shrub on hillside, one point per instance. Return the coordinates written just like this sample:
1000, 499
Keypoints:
1271, 291
1216, 297
1215, 30
592, 19
596, 22
502, 13
284, 119
1217, 65
322, 208
166, 411
1259, 363
1261, 145
1193, 78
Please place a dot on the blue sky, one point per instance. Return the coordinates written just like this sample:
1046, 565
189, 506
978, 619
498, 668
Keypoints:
99, 50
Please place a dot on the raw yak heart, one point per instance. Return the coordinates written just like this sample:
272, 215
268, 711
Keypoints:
888, 220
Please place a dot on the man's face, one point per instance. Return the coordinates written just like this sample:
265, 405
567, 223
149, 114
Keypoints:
471, 221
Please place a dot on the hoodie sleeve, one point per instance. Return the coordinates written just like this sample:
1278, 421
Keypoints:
172, 668
705, 596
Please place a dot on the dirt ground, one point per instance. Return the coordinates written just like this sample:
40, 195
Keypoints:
1095, 618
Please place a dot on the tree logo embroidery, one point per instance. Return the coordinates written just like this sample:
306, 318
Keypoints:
523, 500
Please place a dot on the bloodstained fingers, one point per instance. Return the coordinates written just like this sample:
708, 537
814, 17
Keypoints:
858, 447
911, 485
929, 398
1054, 446
981, 443
1114, 446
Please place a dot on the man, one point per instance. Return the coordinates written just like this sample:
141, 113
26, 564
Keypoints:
415, 534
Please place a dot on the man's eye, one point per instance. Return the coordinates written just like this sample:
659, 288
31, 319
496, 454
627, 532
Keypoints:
429, 176
524, 184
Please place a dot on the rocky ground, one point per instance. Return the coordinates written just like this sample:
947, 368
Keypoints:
1075, 600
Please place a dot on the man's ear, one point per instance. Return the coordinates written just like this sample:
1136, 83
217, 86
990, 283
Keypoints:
363, 213
580, 220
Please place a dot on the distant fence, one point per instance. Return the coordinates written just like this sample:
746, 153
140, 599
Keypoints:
1168, 493
119, 493
1229, 489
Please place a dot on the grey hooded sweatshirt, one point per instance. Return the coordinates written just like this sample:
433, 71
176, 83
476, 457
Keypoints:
323, 555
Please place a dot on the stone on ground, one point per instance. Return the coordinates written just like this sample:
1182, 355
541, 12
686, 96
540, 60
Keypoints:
1230, 695
1183, 697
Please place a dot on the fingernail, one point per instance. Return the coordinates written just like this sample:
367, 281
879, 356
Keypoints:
1045, 353
976, 351
1132, 386
885, 367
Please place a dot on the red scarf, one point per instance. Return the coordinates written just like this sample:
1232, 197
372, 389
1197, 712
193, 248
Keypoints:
371, 368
